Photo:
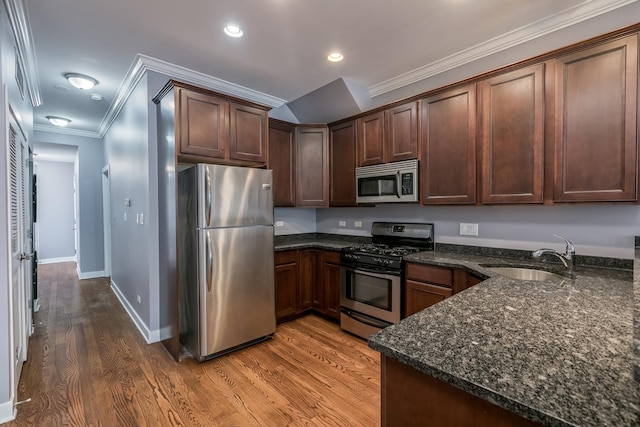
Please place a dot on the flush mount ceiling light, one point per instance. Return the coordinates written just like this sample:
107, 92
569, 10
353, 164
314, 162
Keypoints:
80, 81
233, 30
58, 121
335, 57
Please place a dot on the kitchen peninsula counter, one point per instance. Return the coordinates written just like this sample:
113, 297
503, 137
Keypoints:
559, 354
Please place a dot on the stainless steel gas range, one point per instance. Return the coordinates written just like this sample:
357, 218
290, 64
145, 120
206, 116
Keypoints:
371, 290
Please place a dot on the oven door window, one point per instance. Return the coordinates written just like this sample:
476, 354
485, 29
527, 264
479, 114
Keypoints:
369, 290
378, 186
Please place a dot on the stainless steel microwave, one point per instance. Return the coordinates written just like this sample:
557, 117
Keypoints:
387, 183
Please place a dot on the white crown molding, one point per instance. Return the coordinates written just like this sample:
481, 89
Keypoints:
143, 63
65, 131
559, 21
26, 53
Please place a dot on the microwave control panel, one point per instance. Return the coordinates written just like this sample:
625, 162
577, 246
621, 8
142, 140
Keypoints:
407, 183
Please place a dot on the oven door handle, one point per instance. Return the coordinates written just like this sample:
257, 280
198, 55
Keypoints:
375, 273
365, 319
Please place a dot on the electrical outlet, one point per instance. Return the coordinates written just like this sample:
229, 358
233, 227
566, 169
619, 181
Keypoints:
342, 223
279, 223
141, 219
468, 229
138, 299
357, 224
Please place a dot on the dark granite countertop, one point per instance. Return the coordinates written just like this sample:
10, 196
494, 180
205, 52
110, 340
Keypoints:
317, 240
557, 353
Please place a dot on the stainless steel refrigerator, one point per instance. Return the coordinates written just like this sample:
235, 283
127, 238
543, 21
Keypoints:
225, 258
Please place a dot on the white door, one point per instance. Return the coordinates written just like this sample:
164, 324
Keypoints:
21, 322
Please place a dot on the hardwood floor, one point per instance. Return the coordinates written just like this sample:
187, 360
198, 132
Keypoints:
89, 366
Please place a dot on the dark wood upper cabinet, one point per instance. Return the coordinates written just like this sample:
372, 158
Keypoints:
401, 132
203, 126
215, 128
596, 112
448, 147
512, 136
282, 162
248, 133
371, 139
342, 152
388, 136
312, 167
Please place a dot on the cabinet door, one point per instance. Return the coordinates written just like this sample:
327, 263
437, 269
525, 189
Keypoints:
448, 147
312, 169
309, 298
419, 296
342, 149
248, 134
287, 288
595, 123
401, 132
204, 124
282, 162
286, 284
371, 139
331, 284
512, 138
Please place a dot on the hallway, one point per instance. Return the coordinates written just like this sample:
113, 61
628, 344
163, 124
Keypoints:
89, 366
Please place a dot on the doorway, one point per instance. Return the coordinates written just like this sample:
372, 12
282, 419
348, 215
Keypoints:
106, 219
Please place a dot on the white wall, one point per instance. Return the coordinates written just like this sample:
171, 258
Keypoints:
294, 221
130, 149
56, 239
598, 230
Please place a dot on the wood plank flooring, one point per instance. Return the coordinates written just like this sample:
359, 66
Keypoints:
89, 366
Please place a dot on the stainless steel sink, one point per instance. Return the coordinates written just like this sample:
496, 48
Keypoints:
523, 273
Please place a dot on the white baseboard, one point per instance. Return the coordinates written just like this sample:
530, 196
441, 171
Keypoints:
90, 274
7, 412
149, 335
57, 260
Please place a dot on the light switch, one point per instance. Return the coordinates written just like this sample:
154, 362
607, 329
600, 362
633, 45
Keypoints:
358, 224
141, 221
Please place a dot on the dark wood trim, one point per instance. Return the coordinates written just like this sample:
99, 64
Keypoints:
177, 83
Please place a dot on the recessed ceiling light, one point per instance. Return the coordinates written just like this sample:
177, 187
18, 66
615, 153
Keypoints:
96, 97
233, 30
80, 81
335, 57
58, 121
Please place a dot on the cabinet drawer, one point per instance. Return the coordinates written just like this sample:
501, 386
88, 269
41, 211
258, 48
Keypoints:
285, 257
431, 274
332, 257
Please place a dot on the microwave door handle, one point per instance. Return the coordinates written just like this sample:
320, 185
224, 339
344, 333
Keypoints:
398, 184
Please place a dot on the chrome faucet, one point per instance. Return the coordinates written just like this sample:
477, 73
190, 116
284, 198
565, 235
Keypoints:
567, 258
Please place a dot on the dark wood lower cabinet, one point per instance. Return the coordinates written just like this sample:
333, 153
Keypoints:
419, 296
307, 280
426, 285
413, 398
331, 284
287, 277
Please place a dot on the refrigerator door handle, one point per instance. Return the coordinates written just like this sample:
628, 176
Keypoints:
209, 266
207, 192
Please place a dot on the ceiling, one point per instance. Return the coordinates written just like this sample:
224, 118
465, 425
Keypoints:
282, 56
